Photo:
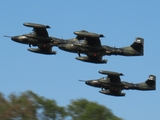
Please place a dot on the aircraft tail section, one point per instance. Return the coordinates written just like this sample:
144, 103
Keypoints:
138, 45
151, 80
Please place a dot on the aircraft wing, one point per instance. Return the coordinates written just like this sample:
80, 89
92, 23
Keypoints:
113, 83
43, 49
90, 39
95, 57
93, 41
113, 77
46, 49
39, 29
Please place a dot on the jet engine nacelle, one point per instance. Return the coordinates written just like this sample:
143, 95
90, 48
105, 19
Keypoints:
41, 51
107, 92
87, 59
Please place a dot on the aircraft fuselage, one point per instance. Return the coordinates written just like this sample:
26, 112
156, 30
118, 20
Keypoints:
100, 83
100, 50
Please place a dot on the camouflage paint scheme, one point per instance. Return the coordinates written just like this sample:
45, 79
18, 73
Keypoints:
39, 37
90, 44
112, 84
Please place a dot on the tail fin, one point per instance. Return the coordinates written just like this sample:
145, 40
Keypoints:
151, 80
138, 45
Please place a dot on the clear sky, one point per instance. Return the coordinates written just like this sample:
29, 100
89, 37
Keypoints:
56, 76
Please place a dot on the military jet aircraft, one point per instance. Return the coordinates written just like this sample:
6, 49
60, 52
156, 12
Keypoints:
39, 37
90, 44
112, 84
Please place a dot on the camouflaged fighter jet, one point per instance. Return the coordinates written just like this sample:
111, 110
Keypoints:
112, 84
39, 37
90, 44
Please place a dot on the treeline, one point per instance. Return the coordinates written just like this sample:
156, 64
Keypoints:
30, 106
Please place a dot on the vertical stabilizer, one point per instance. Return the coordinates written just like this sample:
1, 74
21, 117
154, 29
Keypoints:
138, 45
151, 80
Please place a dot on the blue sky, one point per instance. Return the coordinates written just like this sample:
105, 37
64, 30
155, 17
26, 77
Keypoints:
56, 76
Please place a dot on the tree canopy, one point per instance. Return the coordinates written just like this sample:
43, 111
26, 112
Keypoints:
30, 106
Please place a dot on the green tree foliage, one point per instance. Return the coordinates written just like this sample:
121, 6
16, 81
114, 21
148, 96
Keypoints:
17, 108
83, 109
30, 106
47, 109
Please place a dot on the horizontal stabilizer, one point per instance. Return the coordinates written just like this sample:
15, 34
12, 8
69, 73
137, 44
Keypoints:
35, 25
110, 73
151, 80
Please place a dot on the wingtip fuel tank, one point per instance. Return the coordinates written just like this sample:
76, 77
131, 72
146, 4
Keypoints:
41, 51
85, 33
27, 24
87, 59
110, 73
107, 92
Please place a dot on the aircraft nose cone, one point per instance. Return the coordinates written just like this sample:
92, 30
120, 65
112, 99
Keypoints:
87, 82
14, 38
93, 83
